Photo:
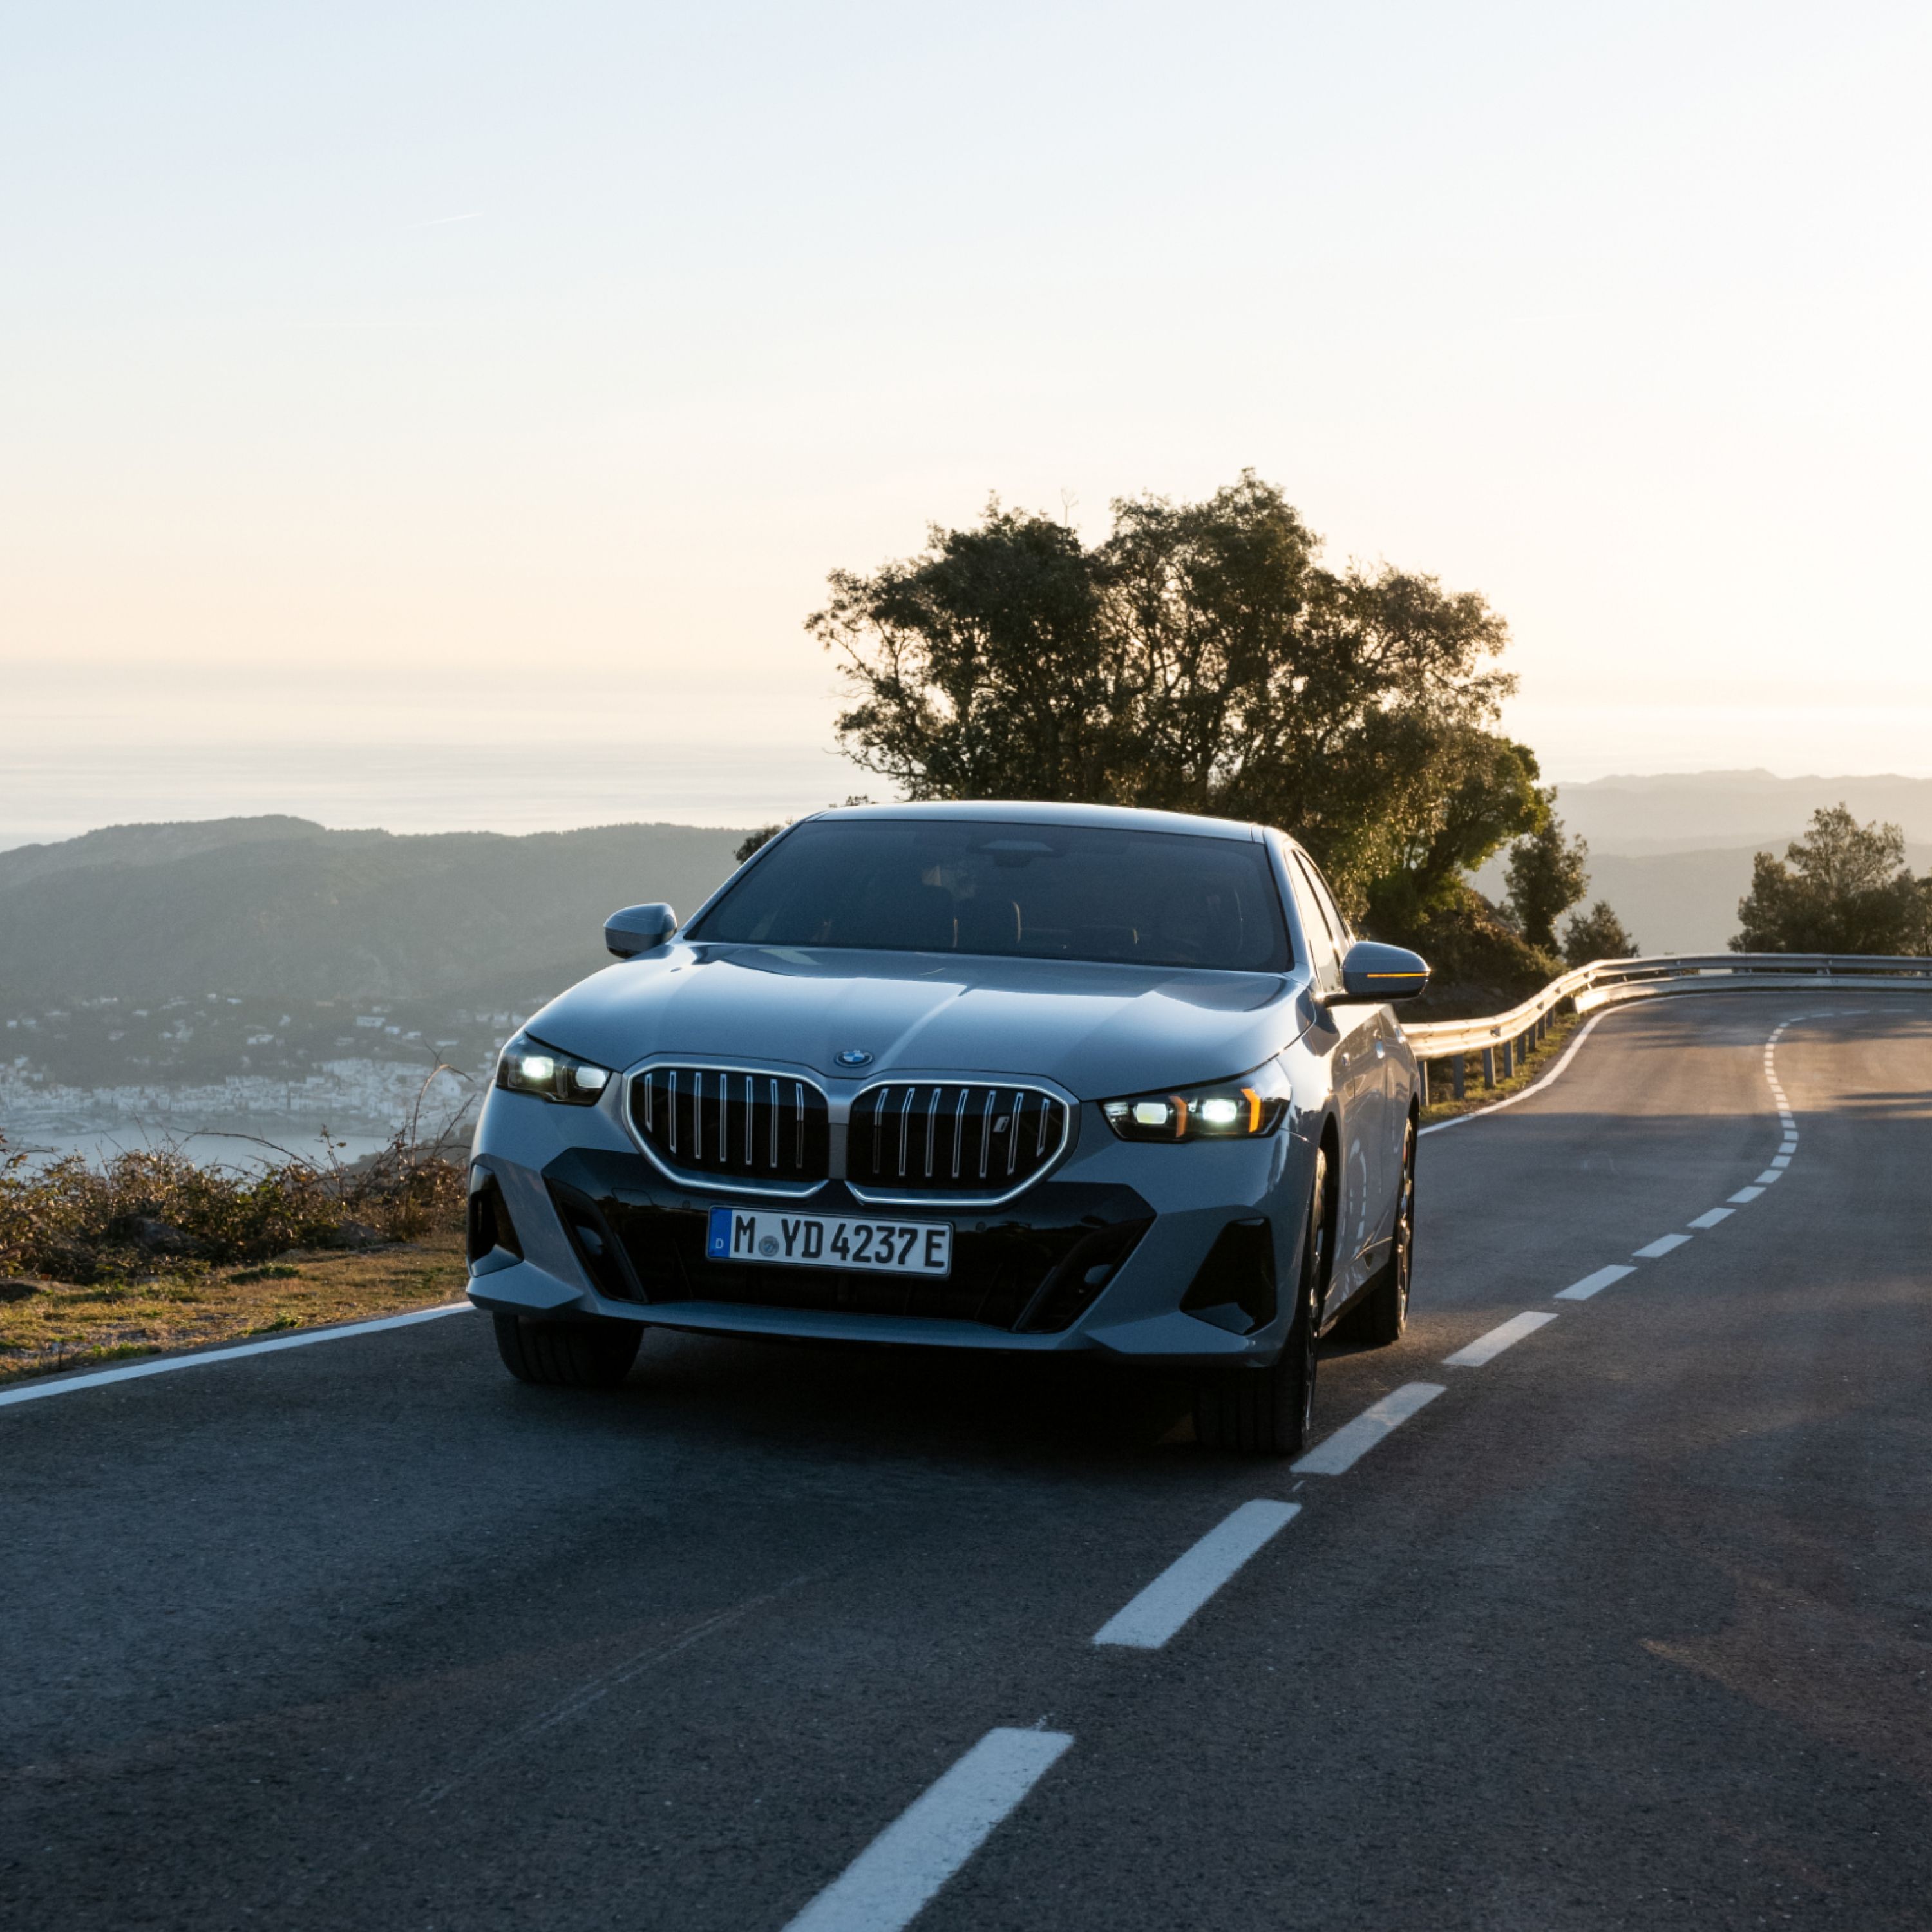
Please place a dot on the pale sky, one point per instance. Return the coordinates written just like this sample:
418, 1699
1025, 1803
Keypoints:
448, 414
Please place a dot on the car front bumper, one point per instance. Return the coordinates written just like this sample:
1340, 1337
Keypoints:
1095, 1257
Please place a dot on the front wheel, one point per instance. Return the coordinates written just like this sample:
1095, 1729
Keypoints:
1268, 1411
587, 1354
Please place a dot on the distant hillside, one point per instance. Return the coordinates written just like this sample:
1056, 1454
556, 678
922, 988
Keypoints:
150, 845
1690, 811
282, 908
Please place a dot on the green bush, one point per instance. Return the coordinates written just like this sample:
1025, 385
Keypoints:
154, 1210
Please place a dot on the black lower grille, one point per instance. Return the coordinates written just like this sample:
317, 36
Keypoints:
596, 1248
1034, 1277
742, 1126
948, 1137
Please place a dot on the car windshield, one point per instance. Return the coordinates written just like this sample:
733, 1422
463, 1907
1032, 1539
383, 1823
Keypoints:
1031, 892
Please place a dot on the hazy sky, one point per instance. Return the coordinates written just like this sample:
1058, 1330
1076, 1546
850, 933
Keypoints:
448, 413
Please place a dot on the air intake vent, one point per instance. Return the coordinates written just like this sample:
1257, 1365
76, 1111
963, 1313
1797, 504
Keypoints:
766, 1127
951, 1137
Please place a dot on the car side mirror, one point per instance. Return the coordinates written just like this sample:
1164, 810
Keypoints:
1373, 971
637, 929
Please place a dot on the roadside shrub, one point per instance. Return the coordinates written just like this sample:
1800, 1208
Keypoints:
154, 1210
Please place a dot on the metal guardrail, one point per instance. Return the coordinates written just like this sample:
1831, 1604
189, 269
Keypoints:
1500, 1038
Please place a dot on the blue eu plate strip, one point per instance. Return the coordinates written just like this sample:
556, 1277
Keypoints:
718, 1237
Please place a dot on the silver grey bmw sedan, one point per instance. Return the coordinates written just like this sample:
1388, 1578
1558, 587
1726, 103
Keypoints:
1033, 1077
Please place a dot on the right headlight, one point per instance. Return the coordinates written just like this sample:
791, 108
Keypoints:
1247, 1109
529, 1067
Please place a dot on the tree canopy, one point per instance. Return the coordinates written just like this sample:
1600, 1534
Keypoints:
1548, 874
1598, 934
1200, 659
1843, 887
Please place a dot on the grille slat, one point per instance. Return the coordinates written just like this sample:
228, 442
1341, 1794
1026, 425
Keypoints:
954, 1137
686, 1115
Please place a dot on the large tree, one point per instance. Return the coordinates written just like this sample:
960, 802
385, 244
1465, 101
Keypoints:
1203, 658
1843, 887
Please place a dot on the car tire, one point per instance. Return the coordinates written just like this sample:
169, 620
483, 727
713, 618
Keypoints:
1382, 1314
595, 1353
1267, 1411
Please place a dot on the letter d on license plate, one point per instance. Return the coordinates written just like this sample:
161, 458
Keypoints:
778, 1240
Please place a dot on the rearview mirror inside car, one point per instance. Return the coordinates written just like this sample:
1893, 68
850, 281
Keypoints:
1373, 971
637, 929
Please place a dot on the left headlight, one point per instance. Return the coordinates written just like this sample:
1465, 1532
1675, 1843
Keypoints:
1229, 1110
529, 1067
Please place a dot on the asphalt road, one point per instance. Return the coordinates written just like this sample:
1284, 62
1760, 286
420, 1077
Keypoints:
1628, 1626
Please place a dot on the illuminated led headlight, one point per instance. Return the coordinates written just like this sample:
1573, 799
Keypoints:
529, 1067
1231, 1110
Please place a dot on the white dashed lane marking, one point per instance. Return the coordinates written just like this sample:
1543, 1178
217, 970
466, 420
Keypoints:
1593, 1284
1770, 1174
1487, 1348
1186, 1583
1353, 1440
1711, 1218
891, 1882
1744, 1196
1661, 1245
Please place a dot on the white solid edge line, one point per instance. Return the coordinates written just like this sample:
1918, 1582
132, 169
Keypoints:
1745, 1196
1711, 1217
1353, 1440
1582, 1034
1487, 1348
167, 1364
1150, 1619
891, 1882
1593, 1284
1663, 1245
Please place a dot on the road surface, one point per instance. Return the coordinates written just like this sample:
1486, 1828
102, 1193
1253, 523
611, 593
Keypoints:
1630, 1625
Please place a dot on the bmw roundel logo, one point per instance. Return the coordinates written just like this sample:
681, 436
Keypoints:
855, 1056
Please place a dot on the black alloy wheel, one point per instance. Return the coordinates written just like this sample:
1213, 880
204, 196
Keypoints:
586, 1354
1269, 1412
1382, 1315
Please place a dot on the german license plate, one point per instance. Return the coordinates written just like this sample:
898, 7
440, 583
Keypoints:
828, 1240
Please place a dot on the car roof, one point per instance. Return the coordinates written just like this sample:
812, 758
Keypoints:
1007, 812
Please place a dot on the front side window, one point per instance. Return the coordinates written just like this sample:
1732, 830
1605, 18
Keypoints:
1316, 926
1032, 892
1344, 936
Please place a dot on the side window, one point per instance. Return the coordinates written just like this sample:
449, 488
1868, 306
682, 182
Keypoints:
1344, 937
1317, 923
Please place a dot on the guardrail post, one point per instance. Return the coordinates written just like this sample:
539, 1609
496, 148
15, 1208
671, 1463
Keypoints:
1488, 1066
1509, 1058
1459, 1076
1422, 1078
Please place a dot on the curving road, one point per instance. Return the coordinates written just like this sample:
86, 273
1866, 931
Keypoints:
1630, 1625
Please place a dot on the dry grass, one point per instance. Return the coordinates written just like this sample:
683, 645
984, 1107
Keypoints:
1527, 1073
66, 1325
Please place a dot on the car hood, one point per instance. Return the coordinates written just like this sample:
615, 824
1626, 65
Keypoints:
1097, 1030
